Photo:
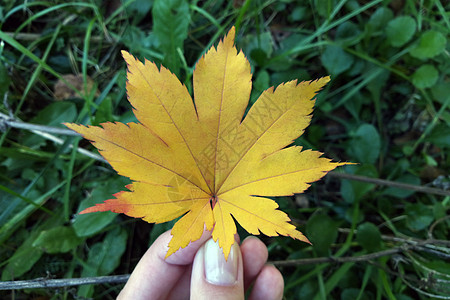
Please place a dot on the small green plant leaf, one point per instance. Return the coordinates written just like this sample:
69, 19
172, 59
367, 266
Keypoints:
440, 92
60, 239
348, 33
170, 25
23, 259
400, 30
104, 257
431, 43
365, 144
425, 76
322, 231
418, 216
336, 60
440, 136
112, 248
380, 18
353, 190
369, 236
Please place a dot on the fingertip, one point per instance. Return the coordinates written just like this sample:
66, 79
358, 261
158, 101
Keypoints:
153, 269
269, 285
254, 246
254, 257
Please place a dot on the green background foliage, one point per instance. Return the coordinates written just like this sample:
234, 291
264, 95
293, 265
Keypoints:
386, 108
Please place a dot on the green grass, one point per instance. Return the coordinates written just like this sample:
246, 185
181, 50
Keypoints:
386, 108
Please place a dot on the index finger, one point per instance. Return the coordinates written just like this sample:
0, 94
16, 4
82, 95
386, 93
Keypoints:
154, 276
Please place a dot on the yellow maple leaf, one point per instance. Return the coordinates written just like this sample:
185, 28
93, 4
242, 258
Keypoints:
202, 159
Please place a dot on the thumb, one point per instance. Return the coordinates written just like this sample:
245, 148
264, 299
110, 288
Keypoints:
215, 278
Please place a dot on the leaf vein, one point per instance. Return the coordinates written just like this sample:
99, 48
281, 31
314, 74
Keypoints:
150, 161
270, 177
219, 119
255, 142
253, 214
173, 122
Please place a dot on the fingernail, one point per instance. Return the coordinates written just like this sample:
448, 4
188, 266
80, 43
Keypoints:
218, 271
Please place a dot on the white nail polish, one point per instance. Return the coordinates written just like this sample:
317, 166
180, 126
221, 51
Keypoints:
218, 271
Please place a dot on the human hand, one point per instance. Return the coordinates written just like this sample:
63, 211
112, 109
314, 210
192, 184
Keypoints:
199, 271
